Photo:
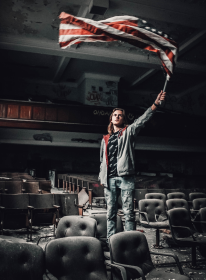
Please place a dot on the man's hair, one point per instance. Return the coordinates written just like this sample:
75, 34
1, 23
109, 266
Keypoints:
110, 127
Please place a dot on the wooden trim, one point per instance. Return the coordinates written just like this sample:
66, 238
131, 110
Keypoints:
73, 127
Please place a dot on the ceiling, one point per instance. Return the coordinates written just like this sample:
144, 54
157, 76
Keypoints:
30, 52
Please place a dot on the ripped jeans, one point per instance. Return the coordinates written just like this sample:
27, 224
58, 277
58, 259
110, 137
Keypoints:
126, 186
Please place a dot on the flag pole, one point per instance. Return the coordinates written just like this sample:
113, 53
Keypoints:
165, 85
164, 88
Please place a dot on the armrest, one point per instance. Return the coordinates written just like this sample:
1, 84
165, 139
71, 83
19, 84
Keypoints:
2, 207
136, 268
56, 206
170, 255
199, 222
30, 207
77, 205
188, 229
43, 237
122, 269
156, 217
146, 216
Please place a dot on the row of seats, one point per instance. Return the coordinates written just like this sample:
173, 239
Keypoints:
67, 258
27, 210
154, 213
14, 174
26, 186
173, 195
77, 253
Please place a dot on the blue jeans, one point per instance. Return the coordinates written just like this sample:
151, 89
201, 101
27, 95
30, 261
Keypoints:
126, 186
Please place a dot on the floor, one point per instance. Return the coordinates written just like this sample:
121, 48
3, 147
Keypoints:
183, 253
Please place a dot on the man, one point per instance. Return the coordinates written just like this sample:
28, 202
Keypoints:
117, 169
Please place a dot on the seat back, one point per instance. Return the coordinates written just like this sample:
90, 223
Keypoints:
101, 220
75, 258
161, 196
2, 186
66, 203
152, 207
13, 187
177, 203
41, 201
45, 186
21, 261
198, 203
15, 201
179, 217
176, 195
76, 226
31, 187
195, 195
44, 212
83, 197
131, 248
202, 214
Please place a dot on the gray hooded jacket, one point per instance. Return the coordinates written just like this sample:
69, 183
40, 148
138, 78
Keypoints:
126, 149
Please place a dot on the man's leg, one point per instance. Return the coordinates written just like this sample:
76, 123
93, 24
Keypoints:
111, 195
127, 195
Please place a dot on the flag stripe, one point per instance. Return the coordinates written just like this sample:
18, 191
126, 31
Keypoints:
74, 30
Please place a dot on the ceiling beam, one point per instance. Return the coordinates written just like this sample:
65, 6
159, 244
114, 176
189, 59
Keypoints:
177, 12
17, 43
83, 12
184, 47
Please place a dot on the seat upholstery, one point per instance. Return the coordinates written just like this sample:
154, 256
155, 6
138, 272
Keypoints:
2, 186
21, 261
195, 195
13, 187
177, 203
31, 187
76, 226
153, 215
14, 211
183, 231
43, 211
131, 249
173, 195
202, 214
161, 196
155, 212
198, 203
101, 220
74, 258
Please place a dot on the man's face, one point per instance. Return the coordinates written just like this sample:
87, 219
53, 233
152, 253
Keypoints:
117, 118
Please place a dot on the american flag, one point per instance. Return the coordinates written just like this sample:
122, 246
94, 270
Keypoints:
74, 30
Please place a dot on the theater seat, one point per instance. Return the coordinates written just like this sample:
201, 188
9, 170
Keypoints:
76, 226
22, 261
183, 231
161, 196
78, 257
177, 203
153, 215
130, 249
176, 195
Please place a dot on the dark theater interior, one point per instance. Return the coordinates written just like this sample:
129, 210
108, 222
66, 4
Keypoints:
57, 220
